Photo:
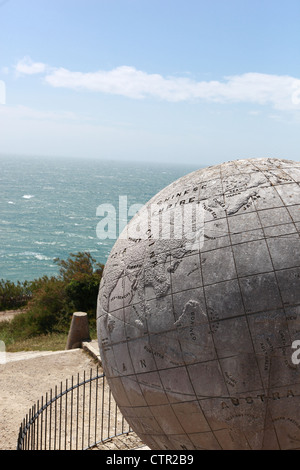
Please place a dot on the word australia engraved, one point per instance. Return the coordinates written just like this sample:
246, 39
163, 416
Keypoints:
196, 331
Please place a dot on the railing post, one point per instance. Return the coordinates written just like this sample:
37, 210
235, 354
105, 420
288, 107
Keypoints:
41, 430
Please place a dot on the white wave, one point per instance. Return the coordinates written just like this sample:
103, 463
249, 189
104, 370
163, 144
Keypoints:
28, 196
42, 257
38, 256
76, 235
28, 253
45, 243
11, 202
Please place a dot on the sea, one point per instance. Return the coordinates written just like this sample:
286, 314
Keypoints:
50, 207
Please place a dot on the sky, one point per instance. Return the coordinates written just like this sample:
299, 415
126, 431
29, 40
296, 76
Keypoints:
179, 81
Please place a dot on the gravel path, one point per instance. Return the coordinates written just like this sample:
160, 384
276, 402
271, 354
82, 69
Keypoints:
27, 376
23, 382
9, 314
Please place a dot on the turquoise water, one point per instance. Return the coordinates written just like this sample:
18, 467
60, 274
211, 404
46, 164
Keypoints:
48, 207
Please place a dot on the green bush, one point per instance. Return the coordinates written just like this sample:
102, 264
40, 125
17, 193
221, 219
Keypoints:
48, 310
83, 293
52, 301
78, 266
14, 296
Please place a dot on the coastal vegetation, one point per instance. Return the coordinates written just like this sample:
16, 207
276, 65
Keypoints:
48, 303
14, 295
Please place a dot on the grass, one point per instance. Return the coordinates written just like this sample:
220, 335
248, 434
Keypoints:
46, 342
51, 342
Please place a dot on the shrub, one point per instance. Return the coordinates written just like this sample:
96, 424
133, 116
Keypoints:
83, 293
52, 301
81, 275
14, 296
78, 266
48, 310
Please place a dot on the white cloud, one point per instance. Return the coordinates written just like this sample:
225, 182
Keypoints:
280, 91
26, 66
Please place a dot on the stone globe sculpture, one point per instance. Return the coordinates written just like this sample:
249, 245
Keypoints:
199, 311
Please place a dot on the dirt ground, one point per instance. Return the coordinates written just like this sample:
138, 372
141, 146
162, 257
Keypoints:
24, 382
9, 314
26, 377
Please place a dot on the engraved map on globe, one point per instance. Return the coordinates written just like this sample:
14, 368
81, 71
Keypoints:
196, 331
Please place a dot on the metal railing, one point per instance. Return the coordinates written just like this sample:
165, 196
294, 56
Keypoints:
78, 417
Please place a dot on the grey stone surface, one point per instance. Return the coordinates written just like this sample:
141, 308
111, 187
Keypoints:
196, 338
79, 330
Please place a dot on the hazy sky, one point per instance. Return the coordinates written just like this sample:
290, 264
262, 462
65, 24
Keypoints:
193, 81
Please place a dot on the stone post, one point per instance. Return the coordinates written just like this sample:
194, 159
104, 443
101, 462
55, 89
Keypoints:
79, 330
